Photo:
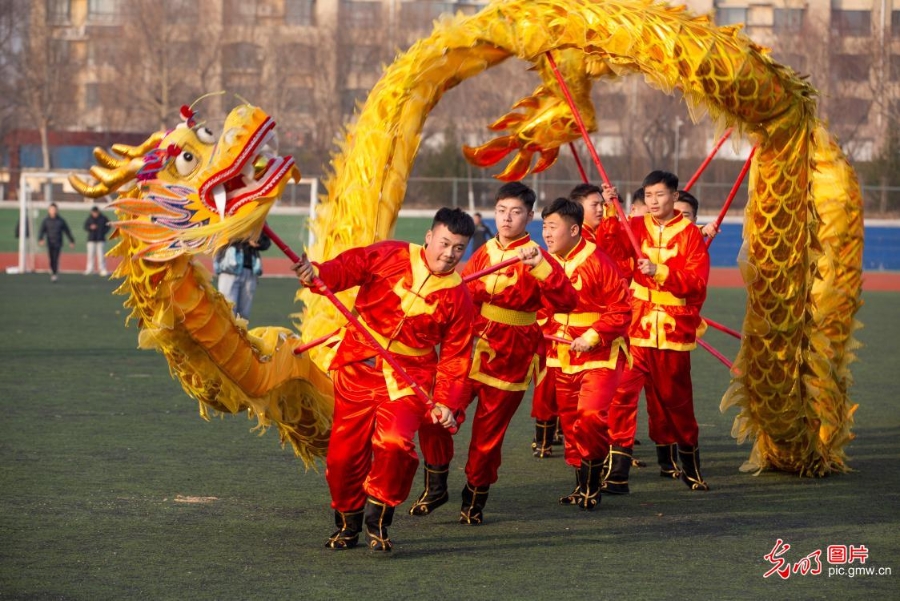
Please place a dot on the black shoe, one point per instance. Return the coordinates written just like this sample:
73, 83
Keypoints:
542, 447
378, 516
690, 468
473, 502
590, 473
615, 479
667, 458
435, 493
557, 434
349, 525
572, 498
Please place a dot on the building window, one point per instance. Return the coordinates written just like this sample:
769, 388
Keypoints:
297, 58
350, 97
182, 11
360, 15
58, 12
105, 11
240, 12
59, 52
363, 58
787, 20
795, 61
851, 67
299, 100
241, 56
851, 22
300, 12
101, 51
895, 22
731, 16
850, 111
895, 67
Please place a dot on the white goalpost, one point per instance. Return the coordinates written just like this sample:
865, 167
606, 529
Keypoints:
299, 198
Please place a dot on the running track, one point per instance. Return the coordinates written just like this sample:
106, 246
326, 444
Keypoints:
72, 262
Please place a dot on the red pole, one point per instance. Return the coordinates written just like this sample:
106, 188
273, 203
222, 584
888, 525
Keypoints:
590, 145
318, 283
714, 353
703, 165
581, 170
721, 328
490, 270
313, 343
557, 339
733, 193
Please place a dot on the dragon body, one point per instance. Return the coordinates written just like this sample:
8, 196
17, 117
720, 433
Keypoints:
803, 230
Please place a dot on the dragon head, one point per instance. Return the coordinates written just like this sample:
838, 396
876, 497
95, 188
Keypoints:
185, 191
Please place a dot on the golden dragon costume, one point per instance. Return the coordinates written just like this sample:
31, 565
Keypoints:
802, 255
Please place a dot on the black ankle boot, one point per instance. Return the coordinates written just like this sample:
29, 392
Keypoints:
543, 438
377, 517
615, 479
474, 499
590, 473
435, 493
690, 468
667, 457
349, 525
557, 433
572, 497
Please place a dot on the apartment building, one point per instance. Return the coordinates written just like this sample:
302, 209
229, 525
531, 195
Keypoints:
310, 61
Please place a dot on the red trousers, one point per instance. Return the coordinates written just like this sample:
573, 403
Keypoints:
665, 376
543, 401
371, 451
583, 400
493, 413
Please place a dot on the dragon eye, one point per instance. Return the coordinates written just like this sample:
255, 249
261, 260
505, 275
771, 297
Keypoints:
205, 135
185, 163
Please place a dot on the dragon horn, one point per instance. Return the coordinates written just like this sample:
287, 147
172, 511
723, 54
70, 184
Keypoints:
133, 152
109, 179
107, 160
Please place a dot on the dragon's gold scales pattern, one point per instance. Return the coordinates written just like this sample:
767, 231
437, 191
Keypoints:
185, 192
803, 234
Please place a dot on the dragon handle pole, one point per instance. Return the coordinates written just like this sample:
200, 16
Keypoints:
733, 193
706, 162
590, 145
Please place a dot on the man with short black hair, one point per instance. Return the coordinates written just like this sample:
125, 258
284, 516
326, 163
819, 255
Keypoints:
507, 353
582, 376
414, 303
668, 289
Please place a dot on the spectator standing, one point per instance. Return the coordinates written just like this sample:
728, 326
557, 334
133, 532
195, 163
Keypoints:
96, 226
52, 228
482, 232
239, 267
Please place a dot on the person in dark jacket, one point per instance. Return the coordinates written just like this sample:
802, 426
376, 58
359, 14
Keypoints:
96, 226
239, 267
482, 232
52, 228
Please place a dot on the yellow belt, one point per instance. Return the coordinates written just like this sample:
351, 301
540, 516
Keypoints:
395, 346
578, 320
508, 317
657, 297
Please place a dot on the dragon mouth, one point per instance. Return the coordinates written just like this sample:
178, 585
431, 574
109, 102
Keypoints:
255, 174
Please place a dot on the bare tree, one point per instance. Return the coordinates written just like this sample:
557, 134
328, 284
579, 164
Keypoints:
42, 68
167, 54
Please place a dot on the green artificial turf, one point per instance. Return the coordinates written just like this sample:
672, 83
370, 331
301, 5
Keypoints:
99, 449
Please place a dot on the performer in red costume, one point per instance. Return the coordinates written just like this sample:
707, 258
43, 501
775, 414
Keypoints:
412, 300
582, 376
668, 289
506, 354
601, 227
